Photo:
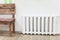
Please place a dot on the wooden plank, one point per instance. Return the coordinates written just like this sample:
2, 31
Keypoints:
7, 11
6, 6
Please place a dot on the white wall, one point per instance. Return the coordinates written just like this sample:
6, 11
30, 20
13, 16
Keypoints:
36, 8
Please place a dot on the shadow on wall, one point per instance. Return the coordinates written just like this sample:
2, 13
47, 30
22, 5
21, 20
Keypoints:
18, 26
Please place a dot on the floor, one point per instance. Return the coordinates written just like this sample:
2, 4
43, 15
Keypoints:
17, 36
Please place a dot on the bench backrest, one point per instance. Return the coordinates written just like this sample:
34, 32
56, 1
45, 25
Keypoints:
7, 9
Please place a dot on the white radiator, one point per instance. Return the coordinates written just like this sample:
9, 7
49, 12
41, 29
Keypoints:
39, 25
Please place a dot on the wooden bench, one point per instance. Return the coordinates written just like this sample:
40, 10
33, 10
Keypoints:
8, 9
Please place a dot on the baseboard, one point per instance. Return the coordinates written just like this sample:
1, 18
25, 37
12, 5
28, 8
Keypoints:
21, 32
8, 31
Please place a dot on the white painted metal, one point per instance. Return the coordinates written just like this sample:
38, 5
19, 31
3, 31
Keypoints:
27, 24
46, 25
34, 25
50, 25
38, 25
23, 25
42, 25
31, 25
54, 25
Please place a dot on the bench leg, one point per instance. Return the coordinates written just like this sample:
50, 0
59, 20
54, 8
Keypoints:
10, 29
14, 27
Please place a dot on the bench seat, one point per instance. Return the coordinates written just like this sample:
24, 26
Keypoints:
7, 19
